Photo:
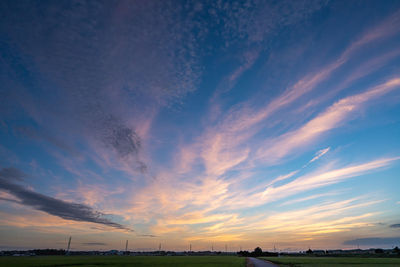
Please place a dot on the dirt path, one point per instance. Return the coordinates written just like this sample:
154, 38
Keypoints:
253, 262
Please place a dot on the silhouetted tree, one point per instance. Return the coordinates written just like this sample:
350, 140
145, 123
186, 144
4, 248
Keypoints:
309, 251
244, 253
257, 252
48, 251
396, 250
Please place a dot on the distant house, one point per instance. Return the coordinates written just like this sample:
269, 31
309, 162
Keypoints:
112, 252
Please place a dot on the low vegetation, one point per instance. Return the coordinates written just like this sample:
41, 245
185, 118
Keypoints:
138, 261
333, 261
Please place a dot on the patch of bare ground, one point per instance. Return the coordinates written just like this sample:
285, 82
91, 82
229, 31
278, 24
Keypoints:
249, 263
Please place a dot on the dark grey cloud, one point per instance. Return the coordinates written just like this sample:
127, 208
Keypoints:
12, 174
374, 241
9, 199
144, 235
123, 139
115, 134
141, 166
94, 244
396, 225
50, 205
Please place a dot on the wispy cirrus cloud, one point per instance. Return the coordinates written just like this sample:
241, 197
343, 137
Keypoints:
105, 84
242, 122
387, 28
320, 218
219, 210
298, 200
276, 148
250, 26
313, 222
283, 177
312, 181
227, 145
323, 177
319, 154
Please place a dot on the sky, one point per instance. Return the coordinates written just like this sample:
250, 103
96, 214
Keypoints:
210, 123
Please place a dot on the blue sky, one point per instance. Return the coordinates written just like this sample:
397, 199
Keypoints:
257, 123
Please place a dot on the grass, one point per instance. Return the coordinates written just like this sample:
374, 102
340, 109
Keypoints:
137, 261
333, 261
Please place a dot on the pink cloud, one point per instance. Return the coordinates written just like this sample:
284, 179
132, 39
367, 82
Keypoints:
275, 149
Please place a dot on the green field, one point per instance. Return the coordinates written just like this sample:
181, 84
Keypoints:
170, 261
334, 261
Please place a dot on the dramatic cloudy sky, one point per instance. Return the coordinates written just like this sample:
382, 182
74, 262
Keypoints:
250, 123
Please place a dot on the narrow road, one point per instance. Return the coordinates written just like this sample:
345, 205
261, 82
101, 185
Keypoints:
261, 263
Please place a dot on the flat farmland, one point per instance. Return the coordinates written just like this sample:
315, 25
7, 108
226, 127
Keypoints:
333, 261
168, 261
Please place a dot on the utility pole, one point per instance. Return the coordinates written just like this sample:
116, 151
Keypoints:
126, 247
226, 248
69, 244
190, 247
